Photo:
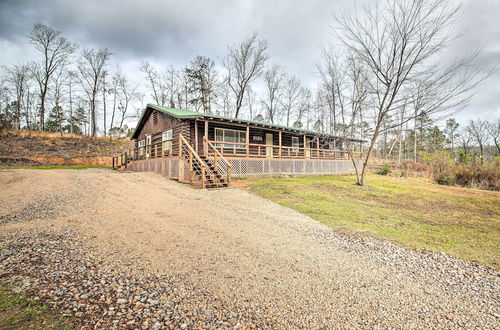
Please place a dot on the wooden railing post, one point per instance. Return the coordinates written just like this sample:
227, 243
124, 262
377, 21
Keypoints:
203, 178
181, 162
191, 168
215, 161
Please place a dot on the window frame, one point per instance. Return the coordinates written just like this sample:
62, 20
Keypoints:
295, 148
241, 138
165, 136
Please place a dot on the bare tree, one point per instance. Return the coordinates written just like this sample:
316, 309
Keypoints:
398, 44
156, 83
332, 83
104, 92
91, 67
18, 77
464, 140
304, 107
494, 133
478, 129
244, 63
126, 94
172, 82
291, 96
59, 80
56, 51
72, 76
273, 79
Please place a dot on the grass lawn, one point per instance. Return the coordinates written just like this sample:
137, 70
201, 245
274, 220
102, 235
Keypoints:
464, 223
18, 312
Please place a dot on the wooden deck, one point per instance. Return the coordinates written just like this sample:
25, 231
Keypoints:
218, 161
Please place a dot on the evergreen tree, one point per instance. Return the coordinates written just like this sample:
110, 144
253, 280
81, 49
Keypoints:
451, 132
56, 119
201, 76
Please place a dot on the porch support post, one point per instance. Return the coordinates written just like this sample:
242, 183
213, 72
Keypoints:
205, 151
247, 140
279, 144
334, 149
305, 146
180, 174
317, 146
196, 135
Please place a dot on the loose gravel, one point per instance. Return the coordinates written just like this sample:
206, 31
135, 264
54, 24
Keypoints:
133, 250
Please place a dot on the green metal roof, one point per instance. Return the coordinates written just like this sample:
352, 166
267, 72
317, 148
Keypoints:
185, 114
192, 114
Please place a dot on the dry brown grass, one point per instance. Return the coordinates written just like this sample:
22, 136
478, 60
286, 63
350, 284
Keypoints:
22, 134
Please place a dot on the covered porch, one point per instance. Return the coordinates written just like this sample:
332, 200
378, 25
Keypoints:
239, 140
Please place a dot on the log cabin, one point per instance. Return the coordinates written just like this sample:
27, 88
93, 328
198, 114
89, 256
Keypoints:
206, 150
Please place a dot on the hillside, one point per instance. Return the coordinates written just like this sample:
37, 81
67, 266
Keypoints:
18, 148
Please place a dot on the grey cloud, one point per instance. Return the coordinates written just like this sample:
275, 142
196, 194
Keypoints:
175, 31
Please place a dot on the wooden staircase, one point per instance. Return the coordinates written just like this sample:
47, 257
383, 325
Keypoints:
205, 171
210, 170
213, 179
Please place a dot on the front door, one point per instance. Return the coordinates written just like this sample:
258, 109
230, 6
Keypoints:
148, 146
269, 142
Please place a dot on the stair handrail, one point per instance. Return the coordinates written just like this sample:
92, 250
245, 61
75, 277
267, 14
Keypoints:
218, 154
205, 168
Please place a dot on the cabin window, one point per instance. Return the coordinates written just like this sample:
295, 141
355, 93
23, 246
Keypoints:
155, 118
140, 145
166, 139
295, 143
230, 135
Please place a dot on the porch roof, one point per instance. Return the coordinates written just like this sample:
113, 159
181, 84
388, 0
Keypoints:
185, 114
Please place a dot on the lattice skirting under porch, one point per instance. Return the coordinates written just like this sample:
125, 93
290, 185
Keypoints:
165, 166
248, 166
169, 166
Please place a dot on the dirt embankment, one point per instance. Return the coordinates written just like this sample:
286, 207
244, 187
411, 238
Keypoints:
18, 148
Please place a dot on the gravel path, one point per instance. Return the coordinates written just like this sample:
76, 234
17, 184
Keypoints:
135, 250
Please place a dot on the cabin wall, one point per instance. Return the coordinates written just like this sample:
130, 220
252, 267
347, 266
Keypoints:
163, 122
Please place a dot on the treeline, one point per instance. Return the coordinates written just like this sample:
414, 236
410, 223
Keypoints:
384, 84
467, 156
67, 90
478, 142
72, 89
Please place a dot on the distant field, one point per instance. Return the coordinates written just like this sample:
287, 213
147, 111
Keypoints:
462, 222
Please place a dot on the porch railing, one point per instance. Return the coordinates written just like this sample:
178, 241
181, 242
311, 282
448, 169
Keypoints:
217, 150
262, 150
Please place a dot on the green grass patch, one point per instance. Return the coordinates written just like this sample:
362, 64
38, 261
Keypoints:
464, 223
19, 312
53, 167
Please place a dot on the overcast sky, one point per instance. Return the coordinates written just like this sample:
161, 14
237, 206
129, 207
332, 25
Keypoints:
173, 32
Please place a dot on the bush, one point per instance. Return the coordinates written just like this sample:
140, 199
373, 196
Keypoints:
479, 177
386, 169
410, 168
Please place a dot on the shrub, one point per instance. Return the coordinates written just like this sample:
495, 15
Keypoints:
410, 168
479, 177
386, 169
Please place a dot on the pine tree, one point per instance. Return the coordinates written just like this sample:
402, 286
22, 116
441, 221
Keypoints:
56, 119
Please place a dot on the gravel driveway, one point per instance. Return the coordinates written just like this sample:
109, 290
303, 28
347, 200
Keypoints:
136, 250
